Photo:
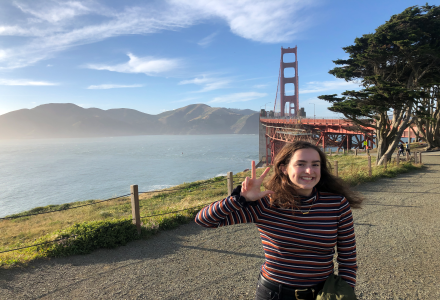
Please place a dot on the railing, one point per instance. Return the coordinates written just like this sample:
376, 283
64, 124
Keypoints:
134, 197
311, 117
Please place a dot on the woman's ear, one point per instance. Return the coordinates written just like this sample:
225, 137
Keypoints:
283, 169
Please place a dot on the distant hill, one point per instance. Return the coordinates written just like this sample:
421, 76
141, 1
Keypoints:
66, 120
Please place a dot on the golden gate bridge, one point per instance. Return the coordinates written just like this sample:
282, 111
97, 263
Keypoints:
288, 123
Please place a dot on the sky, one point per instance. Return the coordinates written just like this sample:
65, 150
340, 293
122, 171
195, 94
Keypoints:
156, 56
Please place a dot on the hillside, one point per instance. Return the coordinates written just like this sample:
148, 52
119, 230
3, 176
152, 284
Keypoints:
65, 120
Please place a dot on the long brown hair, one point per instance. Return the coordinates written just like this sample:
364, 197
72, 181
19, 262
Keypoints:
285, 194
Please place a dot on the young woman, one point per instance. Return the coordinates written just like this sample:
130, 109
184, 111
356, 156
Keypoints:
302, 215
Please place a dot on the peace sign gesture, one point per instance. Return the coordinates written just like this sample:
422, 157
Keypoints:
250, 187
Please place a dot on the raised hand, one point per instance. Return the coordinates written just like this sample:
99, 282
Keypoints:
250, 187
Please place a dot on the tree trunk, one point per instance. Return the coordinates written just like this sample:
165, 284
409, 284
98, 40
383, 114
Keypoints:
389, 133
428, 122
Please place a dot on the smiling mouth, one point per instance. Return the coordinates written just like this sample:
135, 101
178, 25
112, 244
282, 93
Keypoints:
307, 178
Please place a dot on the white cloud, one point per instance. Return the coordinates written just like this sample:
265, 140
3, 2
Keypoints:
113, 86
14, 30
25, 82
323, 86
209, 83
215, 85
54, 11
207, 40
259, 86
196, 80
52, 26
3, 54
259, 20
51, 38
238, 97
147, 65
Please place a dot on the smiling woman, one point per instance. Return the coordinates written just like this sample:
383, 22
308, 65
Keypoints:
302, 215
304, 170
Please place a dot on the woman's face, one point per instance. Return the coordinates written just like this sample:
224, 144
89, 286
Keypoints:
304, 170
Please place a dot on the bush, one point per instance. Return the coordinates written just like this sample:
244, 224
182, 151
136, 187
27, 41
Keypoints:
85, 237
166, 223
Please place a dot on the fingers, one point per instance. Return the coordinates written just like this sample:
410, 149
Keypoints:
245, 184
253, 170
265, 173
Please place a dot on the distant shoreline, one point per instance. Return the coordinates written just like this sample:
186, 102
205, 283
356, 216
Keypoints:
118, 136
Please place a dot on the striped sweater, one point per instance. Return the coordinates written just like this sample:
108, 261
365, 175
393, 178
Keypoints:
298, 247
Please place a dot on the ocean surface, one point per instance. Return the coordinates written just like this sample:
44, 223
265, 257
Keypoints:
55, 171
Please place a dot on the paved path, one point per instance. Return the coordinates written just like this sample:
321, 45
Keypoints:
398, 237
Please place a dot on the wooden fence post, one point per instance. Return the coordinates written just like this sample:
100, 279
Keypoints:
330, 151
136, 215
420, 157
230, 180
335, 171
355, 152
369, 166
415, 157
407, 157
397, 158
385, 163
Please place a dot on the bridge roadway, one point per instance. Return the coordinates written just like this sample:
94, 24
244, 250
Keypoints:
398, 248
340, 126
340, 133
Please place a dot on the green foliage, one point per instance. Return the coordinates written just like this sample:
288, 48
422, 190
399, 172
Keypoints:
85, 237
394, 65
166, 223
106, 214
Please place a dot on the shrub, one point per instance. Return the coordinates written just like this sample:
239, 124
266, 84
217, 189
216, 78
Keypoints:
85, 237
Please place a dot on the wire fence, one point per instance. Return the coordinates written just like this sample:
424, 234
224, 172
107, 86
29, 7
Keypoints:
21, 248
192, 187
143, 217
189, 189
67, 208
176, 211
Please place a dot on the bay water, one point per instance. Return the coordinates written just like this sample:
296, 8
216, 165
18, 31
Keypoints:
40, 172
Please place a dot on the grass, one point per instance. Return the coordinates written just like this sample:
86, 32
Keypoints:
354, 169
155, 208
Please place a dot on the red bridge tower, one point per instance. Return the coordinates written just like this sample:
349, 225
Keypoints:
291, 101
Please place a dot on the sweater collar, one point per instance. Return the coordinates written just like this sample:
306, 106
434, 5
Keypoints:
309, 199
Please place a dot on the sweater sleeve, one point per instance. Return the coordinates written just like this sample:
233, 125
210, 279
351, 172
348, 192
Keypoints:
232, 210
346, 244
